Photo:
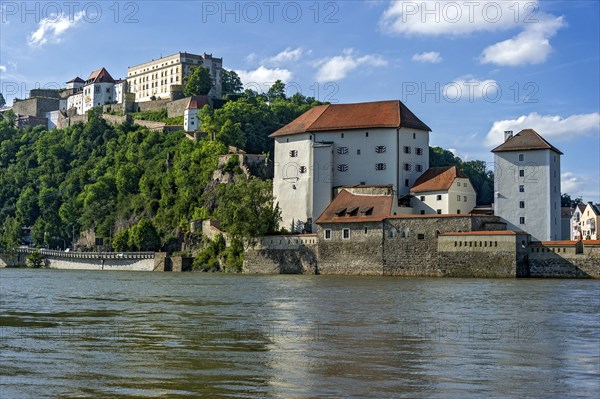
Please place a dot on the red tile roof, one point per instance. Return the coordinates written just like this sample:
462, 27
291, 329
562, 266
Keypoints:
100, 76
378, 114
437, 179
348, 207
526, 139
77, 79
565, 242
197, 102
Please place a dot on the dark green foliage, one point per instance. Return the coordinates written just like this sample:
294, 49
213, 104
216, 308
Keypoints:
209, 258
198, 82
3, 101
144, 237
481, 178
566, 200
231, 82
36, 260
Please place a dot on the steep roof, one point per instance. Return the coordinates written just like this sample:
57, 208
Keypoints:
437, 179
348, 207
566, 212
378, 114
594, 208
526, 139
77, 79
197, 102
100, 76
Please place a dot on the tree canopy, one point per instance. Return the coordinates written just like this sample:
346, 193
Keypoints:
198, 82
231, 82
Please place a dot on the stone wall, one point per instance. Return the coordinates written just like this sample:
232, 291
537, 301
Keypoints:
362, 253
36, 106
282, 255
181, 263
177, 107
151, 105
562, 260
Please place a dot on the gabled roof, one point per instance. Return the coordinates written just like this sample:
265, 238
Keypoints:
197, 102
581, 207
437, 179
348, 207
566, 212
100, 76
594, 208
378, 114
77, 79
526, 139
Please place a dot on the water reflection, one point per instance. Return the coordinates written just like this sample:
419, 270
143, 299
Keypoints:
91, 334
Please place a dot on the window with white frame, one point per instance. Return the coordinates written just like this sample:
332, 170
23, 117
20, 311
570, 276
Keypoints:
345, 234
328, 234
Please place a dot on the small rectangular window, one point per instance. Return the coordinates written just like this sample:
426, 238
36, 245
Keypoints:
380, 149
465, 198
422, 212
407, 149
458, 211
522, 220
464, 184
458, 197
380, 166
439, 197
406, 183
458, 184
346, 234
342, 168
420, 236
521, 172
414, 136
293, 153
328, 234
439, 211
521, 157
407, 167
302, 169
521, 204
342, 150
419, 168
357, 152
419, 151
521, 188
423, 198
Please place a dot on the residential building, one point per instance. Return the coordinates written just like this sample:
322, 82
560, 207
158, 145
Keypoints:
159, 78
443, 190
527, 185
338, 145
590, 219
576, 225
190, 121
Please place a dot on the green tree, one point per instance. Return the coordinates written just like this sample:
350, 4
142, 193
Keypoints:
3, 101
198, 82
35, 260
566, 200
10, 233
276, 91
231, 82
144, 237
121, 241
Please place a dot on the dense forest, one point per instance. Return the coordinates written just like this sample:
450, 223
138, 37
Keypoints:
139, 189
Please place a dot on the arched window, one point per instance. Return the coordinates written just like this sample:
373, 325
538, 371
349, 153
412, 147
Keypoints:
392, 233
405, 232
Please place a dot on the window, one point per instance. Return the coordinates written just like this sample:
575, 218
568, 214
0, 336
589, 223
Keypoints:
419, 168
407, 149
522, 204
366, 230
366, 134
522, 220
406, 183
357, 152
458, 184
96, 89
342, 168
439, 211
419, 151
380, 166
302, 169
439, 197
108, 89
405, 232
422, 212
458, 211
521, 188
342, 150
465, 198
464, 184
420, 236
380, 149
422, 198
293, 153
346, 234
521, 172
414, 136
407, 167
458, 197
328, 234
521, 157
342, 135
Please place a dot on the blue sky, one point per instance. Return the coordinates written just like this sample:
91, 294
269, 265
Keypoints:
468, 69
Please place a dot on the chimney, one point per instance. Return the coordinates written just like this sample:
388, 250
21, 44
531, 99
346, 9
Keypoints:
507, 134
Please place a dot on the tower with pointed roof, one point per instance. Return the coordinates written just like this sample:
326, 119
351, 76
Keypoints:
527, 185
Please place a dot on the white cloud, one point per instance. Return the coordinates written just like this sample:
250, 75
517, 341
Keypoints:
51, 29
338, 67
531, 46
263, 77
470, 88
287, 55
572, 184
455, 18
2, 68
549, 126
432, 57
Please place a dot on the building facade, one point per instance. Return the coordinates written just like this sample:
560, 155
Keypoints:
443, 191
590, 218
337, 145
527, 185
159, 78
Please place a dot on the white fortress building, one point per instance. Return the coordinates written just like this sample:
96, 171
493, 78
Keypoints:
527, 185
366, 144
158, 78
99, 89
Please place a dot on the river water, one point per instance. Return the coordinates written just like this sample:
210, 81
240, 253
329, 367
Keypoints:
85, 334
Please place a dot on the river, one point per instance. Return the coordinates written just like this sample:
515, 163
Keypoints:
85, 334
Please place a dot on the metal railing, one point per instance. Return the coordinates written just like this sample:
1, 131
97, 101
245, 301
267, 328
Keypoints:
89, 255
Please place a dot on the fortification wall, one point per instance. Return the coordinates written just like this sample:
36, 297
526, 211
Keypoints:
564, 261
36, 106
152, 105
282, 255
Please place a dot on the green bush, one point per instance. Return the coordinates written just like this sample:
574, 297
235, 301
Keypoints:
36, 260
